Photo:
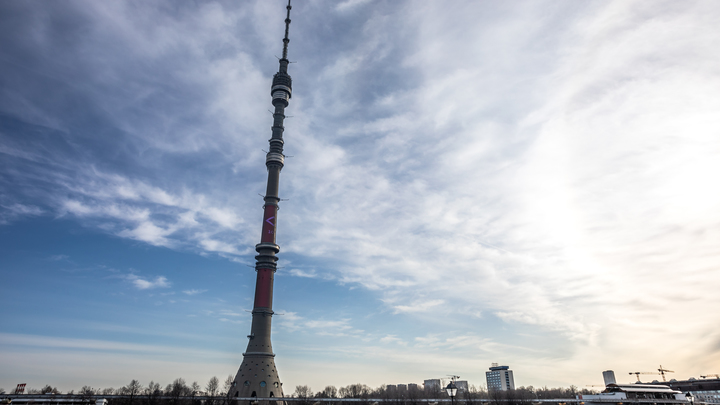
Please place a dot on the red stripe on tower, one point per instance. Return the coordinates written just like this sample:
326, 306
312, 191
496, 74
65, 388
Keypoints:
262, 288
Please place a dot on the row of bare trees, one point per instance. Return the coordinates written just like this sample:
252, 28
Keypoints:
150, 394
522, 394
180, 393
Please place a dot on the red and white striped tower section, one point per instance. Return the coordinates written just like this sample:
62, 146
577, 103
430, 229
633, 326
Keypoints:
258, 376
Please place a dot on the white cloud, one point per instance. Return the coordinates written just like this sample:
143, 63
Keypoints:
350, 4
302, 273
223, 217
231, 321
21, 209
217, 246
230, 313
148, 232
322, 327
418, 306
392, 339
144, 284
193, 292
289, 320
147, 213
341, 324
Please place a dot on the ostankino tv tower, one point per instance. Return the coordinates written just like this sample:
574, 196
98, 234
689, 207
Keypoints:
258, 376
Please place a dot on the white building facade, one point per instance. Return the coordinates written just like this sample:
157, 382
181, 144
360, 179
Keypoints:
500, 378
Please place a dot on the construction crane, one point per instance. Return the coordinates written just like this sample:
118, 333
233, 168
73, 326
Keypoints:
637, 374
663, 371
710, 375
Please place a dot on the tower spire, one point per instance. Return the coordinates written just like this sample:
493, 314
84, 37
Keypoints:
286, 40
257, 375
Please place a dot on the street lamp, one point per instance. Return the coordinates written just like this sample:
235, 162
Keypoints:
451, 391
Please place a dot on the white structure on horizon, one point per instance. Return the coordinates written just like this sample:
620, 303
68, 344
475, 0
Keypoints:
618, 394
609, 377
500, 378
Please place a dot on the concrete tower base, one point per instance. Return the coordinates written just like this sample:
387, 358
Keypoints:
257, 377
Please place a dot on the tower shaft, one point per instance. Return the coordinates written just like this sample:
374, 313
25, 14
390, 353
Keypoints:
258, 376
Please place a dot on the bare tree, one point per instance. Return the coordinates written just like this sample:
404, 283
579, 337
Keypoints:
212, 388
86, 393
355, 391
132, 389
475, 393
153, 391
153, 388
303, 391
329, 392
48, 389
194, 390
177, 389
228, 384
227, 387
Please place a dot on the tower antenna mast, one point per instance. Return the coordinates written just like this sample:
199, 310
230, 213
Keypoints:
257, 375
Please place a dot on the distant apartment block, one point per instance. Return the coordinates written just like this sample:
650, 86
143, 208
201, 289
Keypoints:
462, 386
402, 389
500, 378
433, 386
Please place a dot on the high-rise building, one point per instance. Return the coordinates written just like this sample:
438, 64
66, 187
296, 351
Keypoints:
500, 378
257, 375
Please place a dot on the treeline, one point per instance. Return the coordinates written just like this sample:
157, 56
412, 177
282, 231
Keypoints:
181, 393
151, 393
522, 394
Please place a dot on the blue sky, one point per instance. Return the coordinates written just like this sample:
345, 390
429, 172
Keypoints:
529, 183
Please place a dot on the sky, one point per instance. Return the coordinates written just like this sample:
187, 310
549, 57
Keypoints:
532, 183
